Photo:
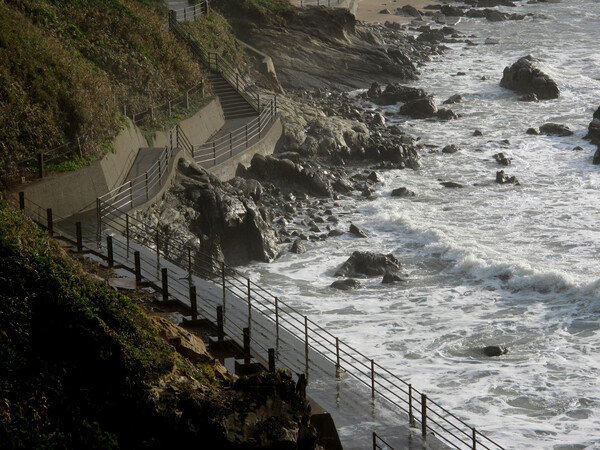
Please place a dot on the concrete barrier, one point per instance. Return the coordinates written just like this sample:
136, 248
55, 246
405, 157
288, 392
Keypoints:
76, 192
227, 169
199, 128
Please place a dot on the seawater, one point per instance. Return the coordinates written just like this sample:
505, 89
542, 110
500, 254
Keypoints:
487, 264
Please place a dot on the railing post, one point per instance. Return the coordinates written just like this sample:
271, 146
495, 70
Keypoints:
474, 439
338, 367
187, 99
275, 104
237, 82
246, 332
207, 7
223, 280
306, 344
194, 302
220, 332
79, 236
165, 285
249, 305
214, 154
98, 218
424, 416
22, 201
138, 268
258, 102
50, 221
246, 135
109, 251
374, 441
189, 254
276, 319
184, 14
147, 187
411, 417
230, 146
131, 193
194, 12
170, 113
271, 360
159, 172
259, 127
372, 379
40, 165
157, 252
127, 233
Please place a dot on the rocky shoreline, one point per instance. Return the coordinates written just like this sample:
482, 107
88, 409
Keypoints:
334, 144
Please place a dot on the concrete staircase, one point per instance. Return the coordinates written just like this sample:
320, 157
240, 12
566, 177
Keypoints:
234, 105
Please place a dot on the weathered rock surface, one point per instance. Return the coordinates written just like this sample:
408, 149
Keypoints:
346, 285
358, 232
451, 184
594, 128
419, 109
524, 77
450, 149
555, 129
495, 350
298, 247
502, 178
502, 159
369, 264
223, 219
395, 93
402, 192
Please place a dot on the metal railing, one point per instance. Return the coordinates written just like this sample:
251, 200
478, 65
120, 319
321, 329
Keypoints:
230, 144
192, 12
380, 444
420, 411
214, 62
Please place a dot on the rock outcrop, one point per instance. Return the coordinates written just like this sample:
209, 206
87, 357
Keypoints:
524, 77
555, 129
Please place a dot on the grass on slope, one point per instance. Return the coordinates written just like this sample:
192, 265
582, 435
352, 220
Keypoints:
67, 67
245, 15
75, 355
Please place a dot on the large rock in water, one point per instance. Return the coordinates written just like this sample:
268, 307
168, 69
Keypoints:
524, 77
419, 109
370, 264
555, 129
395, 93
594, 129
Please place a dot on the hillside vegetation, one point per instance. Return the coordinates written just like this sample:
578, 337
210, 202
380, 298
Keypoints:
68, 67
81, 366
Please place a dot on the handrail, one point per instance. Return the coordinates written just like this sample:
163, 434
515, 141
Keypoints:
429, 415
214, 62
378, 442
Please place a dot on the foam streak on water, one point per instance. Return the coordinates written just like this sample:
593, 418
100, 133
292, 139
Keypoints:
487, 264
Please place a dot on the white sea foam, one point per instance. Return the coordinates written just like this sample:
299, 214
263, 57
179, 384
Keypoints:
486, 264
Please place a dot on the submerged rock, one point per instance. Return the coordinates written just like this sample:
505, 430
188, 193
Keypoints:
419, 109
402, 192
502, 159
298, 247
524, 77
555, 129
502, 178
495, 350
346, 285
356, 231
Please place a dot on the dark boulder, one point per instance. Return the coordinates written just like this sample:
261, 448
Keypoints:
431, 36
594, 128
502, 178
524, 77
531, 97
596, 159
451, 184
335, 232
450, 149
369, 264
410, 11
395, 93
346, 285
555, 129
532, 131
452, 11
419, 109
495, 350
356, 231
389, 278
446, 114
402, 192
502, 159
456, 98
298, 247
477, 133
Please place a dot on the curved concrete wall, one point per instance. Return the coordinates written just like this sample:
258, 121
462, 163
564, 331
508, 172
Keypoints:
199, 128
227, 169
75, 192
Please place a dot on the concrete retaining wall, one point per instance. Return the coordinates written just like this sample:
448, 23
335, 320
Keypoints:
227, 169
199, 128
75, 192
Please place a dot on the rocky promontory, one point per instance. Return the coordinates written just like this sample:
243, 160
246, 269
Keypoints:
523, 76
